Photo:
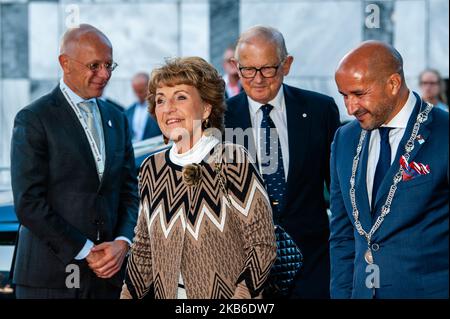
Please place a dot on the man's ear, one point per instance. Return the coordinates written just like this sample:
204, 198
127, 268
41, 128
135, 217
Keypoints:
234, 62
395, 83
64, 63
287, 64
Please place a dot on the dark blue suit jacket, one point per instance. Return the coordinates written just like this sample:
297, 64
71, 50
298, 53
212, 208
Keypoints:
312, 120
151, 127
413, 239
58, 197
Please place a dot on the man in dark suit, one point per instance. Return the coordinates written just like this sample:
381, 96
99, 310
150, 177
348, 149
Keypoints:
389, 184
305, 123
73, 180
142, 125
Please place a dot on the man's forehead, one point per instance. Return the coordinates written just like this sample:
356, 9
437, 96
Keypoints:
93, 50
258, 52
355, 72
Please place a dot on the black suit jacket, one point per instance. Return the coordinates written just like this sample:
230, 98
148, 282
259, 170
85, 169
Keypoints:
312, 120
58, 197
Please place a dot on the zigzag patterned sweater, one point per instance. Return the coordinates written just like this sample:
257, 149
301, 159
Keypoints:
221, 251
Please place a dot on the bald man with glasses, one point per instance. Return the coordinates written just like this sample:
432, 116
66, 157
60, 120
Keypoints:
73, 179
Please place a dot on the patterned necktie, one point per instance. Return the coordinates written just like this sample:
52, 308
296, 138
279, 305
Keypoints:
384, 162
88, 108
274, 177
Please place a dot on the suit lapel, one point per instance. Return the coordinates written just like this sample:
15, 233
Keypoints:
242, 114
362, 198
299, 128
424, 131
109, 136
72, 124
240, 118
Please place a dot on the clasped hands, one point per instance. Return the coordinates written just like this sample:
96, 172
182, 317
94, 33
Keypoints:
106, 258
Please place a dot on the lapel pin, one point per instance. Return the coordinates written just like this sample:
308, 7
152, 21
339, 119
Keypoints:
109, 123
420, 139
304, 115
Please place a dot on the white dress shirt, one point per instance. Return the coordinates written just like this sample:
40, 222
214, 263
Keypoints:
279, 118
140, 117
77, 99
398, 123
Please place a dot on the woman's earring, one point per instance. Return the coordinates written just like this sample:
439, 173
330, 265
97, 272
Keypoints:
206, 124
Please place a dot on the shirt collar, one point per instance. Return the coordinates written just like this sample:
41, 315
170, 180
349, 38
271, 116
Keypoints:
277, 102
196, 154
402, 117
73, 96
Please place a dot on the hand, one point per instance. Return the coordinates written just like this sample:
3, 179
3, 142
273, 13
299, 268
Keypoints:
241, 292
94, 256
113, 254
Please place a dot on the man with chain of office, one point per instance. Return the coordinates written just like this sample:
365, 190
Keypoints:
389, 184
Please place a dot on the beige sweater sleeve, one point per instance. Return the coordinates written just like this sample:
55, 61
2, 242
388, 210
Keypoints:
138, 276
257, 227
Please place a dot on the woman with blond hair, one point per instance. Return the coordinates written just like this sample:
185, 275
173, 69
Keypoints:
205, 227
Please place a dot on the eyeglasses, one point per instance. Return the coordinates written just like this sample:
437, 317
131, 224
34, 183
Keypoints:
95, 66
266, 71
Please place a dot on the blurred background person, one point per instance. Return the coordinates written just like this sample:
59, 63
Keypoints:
231, 77
432, 88
142, 124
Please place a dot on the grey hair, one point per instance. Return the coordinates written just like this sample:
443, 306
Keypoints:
267, 33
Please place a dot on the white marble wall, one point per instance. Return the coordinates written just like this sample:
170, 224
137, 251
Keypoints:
439, 38
13, 94
44, 34
142, 33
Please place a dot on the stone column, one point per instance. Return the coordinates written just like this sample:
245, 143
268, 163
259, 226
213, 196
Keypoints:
224, 28
13, 71
378, 23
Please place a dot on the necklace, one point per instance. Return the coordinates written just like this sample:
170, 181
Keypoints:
385, 209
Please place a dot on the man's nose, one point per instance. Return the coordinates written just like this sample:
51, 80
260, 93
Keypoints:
351, 105
258, 77
104, 73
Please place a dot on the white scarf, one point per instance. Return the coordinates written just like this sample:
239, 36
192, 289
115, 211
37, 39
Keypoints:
196, 154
